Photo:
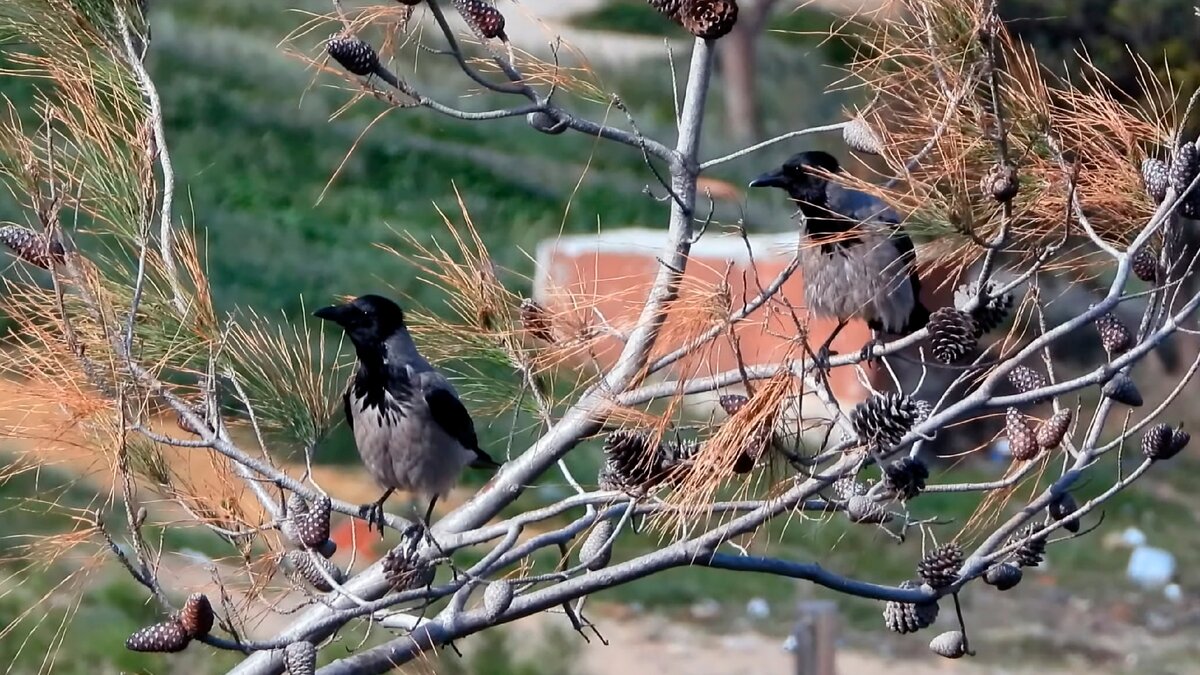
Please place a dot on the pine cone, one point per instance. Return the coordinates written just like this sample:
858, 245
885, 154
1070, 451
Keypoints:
497, 598
882, 420
300, 658
1001, 182
732, 403
166, 637
859, 136
905, 477
991, 314
1184, 169
952, 332
863, 509
1003, 576
32, 247
1113, 335
536, 320
708, 19
669, 8
1156, 441
1155, 176
1031, 552
196, 617
848, 486
905, 617
1061, 507
1051, 432
939, 568
312, 528
1145, 265
1025, 379
630, 463
596, 550
1179, 441
405, 570
952, 644
1022, 441
676, 456
482, 17
356, 56
308, 567
546, 123
1122, 390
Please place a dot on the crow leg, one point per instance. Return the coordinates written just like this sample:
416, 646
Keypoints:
824, 352
872, 344
373, 512
421, 529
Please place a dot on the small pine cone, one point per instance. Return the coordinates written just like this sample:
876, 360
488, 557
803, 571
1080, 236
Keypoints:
859, 136
405, 570
668, 8
991, 314
497, 598
1032, 551
482, 17
952, 644
1022, 441
1122, 390
1025, 379
905, 477
356, 56
32, 247
536, 320
863, 509
939, 568
1001, 182
1179, 441
296, 504
1061, 508
546, 123
847, 486
1145, 265
1156, 442
196, 617
300, 658
1184, 168
1155, 176
1050, 433
732, 403
630, 463
676, 456
1113, 335
312, 528
309, 567
596, 550
905, 617
1003, 576
708, 19
167, 637
882, 420
952, 332
201, 413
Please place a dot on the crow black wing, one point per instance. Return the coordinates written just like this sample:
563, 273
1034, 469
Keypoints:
346, 407
450, 414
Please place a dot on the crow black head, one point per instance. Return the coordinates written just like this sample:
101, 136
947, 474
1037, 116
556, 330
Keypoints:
803, 176
368, 319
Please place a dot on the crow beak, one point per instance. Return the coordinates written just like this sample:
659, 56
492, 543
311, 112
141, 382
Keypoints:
770, 179
331, 313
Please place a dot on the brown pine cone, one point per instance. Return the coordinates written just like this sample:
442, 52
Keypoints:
952, 333
300, 658
905, 617
1145, 265
1063, 506
1051, 432
939, 568
482, 17
309, 567
859, 136
1122, 390
196, 617
708, 19
1001, 182
1025, 379
1113, 335
1022, 441
536, 320
1003, 576
312, 528
1156, 178
669, 8
34, 248
1030, 553
732, 403
167, 637
905, 477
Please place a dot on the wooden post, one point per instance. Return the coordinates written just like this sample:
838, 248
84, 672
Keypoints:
816, 637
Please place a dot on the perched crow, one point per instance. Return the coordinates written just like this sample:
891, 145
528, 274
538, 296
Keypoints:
411, 429
857, 261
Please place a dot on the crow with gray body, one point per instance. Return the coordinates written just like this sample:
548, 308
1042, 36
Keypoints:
857, 261
411, 429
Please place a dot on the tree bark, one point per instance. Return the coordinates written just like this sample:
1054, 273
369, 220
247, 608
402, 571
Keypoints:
738, 54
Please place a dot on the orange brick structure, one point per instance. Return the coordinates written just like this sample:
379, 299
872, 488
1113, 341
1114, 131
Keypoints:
608, 275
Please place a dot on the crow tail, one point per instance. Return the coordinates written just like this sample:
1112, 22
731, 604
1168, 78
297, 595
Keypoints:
917, 318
